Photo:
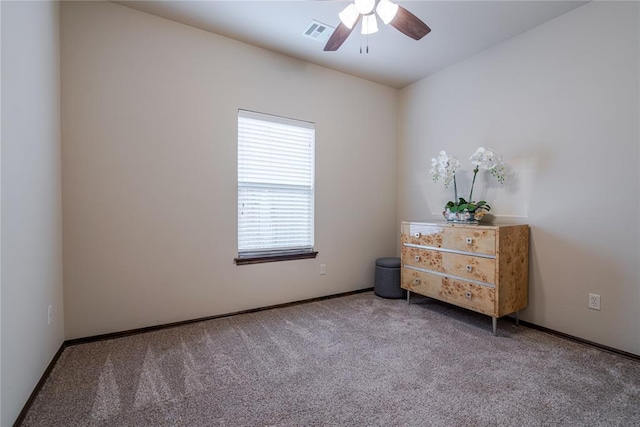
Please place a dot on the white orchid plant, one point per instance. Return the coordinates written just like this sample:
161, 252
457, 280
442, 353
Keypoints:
444, 167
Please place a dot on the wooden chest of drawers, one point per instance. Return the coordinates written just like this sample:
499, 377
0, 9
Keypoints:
484, 268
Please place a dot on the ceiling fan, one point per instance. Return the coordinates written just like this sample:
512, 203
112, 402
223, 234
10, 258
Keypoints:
366, 10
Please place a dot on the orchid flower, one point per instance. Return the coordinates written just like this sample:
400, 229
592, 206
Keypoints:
444, 167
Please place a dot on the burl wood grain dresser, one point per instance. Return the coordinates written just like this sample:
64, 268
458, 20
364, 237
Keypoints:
484, 268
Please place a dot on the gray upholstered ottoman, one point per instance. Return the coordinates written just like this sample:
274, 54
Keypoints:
387, 278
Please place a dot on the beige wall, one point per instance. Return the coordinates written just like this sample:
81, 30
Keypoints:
31, 202
149, 171
0, 214
561, 103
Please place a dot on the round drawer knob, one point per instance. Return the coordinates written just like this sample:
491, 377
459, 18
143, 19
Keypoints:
469, 241
469, 268
468, 294
416, 281
417, 235
417, 258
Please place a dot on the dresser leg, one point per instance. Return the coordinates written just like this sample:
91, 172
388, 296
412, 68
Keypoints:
494, 321
517, 318
408, 296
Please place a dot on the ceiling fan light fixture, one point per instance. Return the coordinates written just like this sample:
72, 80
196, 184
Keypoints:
386, 10
349, 16
369, 24
365, 7
368, 12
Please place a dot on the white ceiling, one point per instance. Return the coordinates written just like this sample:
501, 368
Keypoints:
459, 29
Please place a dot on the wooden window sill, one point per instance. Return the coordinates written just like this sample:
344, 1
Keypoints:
275, 258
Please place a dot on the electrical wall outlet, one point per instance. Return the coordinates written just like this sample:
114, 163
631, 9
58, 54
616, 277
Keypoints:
49, 314
594, 302
323, 269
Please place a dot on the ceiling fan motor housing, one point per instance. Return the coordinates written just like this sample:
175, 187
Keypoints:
365, 7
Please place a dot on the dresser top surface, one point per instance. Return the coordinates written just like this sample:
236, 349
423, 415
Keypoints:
491, 226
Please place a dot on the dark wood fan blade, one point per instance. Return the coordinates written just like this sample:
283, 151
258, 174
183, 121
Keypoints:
409, 24
338, 37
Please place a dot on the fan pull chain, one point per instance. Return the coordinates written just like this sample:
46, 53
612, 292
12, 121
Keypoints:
367, 44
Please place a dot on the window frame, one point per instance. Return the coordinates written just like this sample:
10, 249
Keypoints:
273, 255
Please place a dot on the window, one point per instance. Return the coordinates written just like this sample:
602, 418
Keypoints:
275, 188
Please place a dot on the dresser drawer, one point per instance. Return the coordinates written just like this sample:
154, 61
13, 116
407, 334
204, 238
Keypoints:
464, 294
479, 241
466, 239
422, 283
465, 266
422, 234
469, 295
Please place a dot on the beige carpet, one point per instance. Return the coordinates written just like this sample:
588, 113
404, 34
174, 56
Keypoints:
350, 361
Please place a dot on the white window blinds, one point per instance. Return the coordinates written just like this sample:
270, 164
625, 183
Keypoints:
275, 184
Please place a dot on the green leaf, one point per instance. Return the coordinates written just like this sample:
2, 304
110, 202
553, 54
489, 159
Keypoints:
462, 201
